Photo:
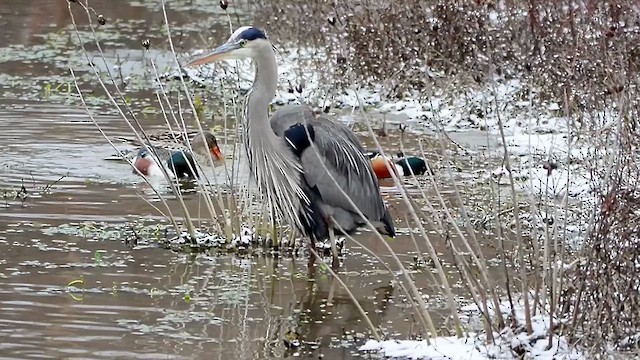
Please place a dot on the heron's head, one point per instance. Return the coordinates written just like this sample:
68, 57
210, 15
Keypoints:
244, 43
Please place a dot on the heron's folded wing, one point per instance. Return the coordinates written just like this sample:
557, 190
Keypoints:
332, 160
345, 168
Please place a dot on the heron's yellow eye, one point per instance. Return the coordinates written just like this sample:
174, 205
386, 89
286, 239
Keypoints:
243, 43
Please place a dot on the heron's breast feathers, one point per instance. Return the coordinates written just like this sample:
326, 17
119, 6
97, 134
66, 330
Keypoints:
278, 173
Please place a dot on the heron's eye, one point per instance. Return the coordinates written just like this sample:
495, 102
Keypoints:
243, 43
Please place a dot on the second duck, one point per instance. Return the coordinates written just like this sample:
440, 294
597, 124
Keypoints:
177, 158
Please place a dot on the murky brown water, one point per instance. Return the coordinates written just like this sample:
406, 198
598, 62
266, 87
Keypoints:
142, 301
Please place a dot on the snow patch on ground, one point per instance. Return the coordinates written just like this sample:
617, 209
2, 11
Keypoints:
439, 348
508, 345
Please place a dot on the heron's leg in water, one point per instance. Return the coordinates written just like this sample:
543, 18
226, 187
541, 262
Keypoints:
334, 248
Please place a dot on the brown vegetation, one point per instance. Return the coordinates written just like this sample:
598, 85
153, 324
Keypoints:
563, 45
606, 294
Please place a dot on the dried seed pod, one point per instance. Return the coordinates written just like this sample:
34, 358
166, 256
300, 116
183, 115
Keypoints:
101, 20
614, 89
146, 43
549, 166
224, 4
300, 86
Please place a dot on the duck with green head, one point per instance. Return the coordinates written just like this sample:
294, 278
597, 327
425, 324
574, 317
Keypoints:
401, 166
178, 159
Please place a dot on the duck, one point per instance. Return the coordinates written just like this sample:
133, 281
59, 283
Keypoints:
402, 165
178, 159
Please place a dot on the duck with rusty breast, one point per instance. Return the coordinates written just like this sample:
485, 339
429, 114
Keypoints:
402, 165
176, 156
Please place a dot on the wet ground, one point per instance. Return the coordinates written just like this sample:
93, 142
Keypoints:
72, 285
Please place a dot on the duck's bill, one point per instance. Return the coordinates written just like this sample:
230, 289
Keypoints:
217, 153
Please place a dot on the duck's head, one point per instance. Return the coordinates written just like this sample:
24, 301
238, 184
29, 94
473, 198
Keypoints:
412, 164
381, 166
207, 142
143, 161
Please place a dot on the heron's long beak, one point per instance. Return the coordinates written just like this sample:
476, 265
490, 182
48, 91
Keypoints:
222, 52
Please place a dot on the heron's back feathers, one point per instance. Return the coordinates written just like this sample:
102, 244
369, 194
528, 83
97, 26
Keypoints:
333, 162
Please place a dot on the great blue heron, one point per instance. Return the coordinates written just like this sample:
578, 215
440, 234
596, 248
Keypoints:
177, 157
305, 164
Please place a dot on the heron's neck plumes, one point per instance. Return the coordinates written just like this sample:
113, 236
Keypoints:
264, 87
276, 170
259, 136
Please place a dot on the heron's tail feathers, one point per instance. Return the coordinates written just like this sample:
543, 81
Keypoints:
385, 226
311, 216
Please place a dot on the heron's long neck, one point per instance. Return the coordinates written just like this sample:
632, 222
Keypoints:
262, 92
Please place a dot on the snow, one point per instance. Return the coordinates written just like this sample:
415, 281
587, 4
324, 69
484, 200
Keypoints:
439, 348
246, 238
474, 346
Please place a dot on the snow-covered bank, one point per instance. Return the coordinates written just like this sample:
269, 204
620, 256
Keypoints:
508, 345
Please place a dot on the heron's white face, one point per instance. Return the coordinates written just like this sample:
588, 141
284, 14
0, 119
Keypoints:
242, 44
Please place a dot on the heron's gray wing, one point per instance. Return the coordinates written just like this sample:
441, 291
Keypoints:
335, 161
291, 115
346, 165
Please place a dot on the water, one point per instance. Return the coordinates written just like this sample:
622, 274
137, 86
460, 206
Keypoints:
76, 283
